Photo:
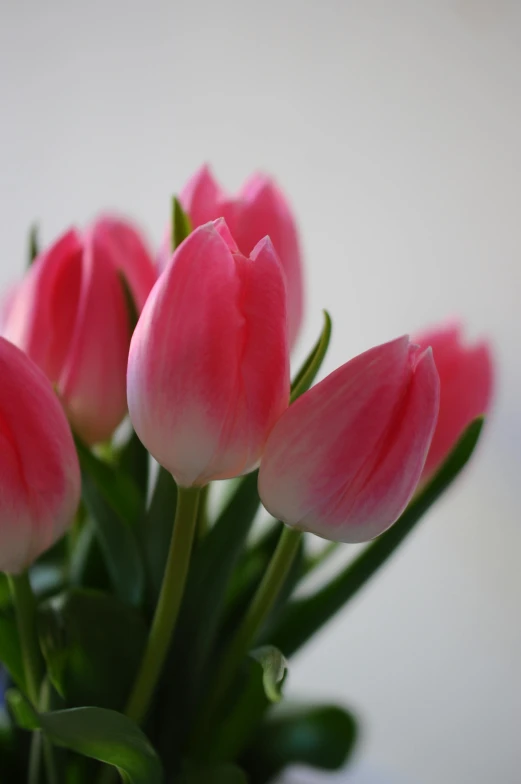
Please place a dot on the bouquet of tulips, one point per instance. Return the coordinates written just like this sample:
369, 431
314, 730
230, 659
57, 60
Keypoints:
145, 623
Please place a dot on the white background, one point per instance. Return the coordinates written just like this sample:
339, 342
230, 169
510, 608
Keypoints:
395, 129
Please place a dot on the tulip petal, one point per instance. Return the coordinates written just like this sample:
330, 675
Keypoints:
92, 379
200, 197
183, 357
322, 441
378, 500
39, 472
466, 386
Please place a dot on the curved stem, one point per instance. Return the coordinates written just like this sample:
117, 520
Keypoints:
25, 607
257, 613
169, 603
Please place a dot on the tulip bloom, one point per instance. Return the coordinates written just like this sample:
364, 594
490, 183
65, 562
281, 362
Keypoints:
208, 371
466, 382
258, 210
39, 471
70, 316
344, 460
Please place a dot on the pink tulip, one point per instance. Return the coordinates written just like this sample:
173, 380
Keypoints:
345, 458
39, 471
258, 210
208, 371
466, 382
70, 316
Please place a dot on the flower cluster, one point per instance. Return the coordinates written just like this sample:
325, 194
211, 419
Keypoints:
195, 347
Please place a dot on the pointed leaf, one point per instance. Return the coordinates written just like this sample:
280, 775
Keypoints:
181, 224
274, 670
33, 244
302, 618
307, 373
130, 303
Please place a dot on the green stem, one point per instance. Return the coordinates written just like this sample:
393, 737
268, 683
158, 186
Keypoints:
48, 751
202, 513
168, 605
25, 607
258, 611
35, 756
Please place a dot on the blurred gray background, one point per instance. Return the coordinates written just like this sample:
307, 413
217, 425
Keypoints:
395, 128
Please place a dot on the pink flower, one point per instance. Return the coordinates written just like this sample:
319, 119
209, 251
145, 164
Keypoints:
208, 371
39, 471
466, 383
345, 458
70, 316
258, 210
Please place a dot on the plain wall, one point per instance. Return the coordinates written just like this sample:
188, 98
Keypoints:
394, 128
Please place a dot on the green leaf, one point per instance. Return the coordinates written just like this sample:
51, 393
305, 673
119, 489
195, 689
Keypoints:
130, 303
10, 651
157, 530
302, 618
33, 244
274, 670
307, 373
181, 224
21, 710
133, 460
5, 594
220, 774
116, 487
92, 644
320, 736
114, 504
106, 736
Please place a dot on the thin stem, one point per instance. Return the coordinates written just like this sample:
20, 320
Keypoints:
202, 514
25, 606
252, 622
48, 751
35, 756
168, 605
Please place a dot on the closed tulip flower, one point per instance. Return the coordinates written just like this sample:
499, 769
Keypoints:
466, 384
208, 371
258, 210
70, 316
39, 471
344, 460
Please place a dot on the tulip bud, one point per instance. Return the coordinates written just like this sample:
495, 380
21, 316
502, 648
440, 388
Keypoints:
466, 383
69, 315
344, 460
208, 371
39, 471
258, 210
